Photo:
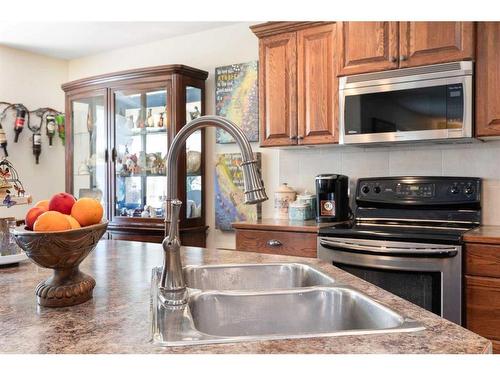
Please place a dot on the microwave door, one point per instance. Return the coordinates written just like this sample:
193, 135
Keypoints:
407, 111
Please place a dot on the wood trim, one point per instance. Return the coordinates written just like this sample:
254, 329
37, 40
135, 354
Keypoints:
140, 73
278, 27
496, 346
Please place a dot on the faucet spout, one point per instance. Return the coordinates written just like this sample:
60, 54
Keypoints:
173, 287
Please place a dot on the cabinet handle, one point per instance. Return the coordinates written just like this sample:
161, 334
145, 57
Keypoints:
300, 137
394, 59
113, 155
402, 58
293, 137
106, 155
274, 243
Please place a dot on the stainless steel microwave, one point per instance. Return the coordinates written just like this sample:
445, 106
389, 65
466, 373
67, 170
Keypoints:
431, 102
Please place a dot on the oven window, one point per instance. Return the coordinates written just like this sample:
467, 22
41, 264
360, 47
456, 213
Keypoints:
420, 288
425, 108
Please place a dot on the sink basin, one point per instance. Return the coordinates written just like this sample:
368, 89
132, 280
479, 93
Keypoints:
250, 302
290, 313
254, 276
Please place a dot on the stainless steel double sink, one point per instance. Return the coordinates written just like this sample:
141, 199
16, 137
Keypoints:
250, 302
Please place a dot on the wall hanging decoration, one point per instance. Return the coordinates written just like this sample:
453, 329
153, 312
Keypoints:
11, 188
229, 197
22, 118
237, 98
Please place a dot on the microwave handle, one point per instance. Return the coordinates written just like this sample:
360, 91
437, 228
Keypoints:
356, 248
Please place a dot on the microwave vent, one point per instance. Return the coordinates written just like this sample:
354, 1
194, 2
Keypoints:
438, 68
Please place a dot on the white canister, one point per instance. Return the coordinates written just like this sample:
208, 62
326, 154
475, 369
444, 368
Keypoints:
298, 211
310, 201
282, 198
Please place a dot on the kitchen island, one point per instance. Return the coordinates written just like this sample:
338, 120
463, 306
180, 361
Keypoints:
117, 319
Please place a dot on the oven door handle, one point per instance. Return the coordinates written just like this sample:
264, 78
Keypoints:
356, 248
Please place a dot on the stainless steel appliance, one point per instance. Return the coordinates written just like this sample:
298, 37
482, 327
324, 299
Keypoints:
332, 198
407, 238
431, 102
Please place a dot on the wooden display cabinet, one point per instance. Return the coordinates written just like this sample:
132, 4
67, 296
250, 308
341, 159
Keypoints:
118, 130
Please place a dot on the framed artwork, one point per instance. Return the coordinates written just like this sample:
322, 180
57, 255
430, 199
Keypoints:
237, 98
229, 197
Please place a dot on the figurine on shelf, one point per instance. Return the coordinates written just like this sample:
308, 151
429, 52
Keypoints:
150, 122
160, 120
195, 114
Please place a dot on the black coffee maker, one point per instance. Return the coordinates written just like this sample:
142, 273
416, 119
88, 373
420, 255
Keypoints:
332, 199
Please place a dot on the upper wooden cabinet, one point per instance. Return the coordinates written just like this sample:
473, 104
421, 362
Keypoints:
297, 83
367, 46
376, 46
488, 79
278, 89
425, 43
317, 86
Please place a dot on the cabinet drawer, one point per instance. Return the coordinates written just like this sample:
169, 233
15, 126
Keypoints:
482, 260
276, 242
483, 306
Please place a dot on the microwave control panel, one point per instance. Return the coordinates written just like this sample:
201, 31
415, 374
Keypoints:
418, 190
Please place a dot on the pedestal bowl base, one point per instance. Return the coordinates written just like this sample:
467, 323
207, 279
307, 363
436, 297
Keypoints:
67, 287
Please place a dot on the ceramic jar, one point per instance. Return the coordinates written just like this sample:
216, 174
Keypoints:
282, 198
298, 211
310, 201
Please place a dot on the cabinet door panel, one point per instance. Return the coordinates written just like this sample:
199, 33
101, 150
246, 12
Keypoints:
423, 43
482, 260
483, 306
317, 85
278, 90
488, 79
367, 46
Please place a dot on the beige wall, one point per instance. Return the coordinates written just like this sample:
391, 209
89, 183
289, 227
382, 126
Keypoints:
34, 81
206, 50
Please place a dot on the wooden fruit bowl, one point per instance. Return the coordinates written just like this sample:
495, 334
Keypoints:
63, 252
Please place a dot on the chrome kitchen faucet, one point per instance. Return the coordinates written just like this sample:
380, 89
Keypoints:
172, 290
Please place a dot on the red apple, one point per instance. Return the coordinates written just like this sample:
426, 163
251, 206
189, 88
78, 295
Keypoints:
62, 202
32, 215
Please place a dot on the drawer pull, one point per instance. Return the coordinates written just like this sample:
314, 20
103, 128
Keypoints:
274, 243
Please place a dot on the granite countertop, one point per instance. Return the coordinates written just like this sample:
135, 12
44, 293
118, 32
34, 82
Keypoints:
488, 234
117, 319
283, 225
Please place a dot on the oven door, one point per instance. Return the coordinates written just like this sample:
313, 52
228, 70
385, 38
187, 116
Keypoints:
418, 109
428, 275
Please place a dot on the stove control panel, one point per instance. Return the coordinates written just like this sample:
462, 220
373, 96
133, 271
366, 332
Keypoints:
419, 190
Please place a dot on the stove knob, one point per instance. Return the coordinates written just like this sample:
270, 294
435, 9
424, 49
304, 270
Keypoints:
365, 189
469, 190
376, 189
454, 190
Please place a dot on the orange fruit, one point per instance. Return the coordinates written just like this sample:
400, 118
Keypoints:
87, 211
51, 221
73, 222
43, 204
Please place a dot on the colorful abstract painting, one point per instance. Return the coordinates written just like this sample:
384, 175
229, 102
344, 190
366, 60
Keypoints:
237, 98
229, 197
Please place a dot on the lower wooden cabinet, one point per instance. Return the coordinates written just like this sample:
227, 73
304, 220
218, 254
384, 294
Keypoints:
195, 236
273, 236
482, 291
273, 242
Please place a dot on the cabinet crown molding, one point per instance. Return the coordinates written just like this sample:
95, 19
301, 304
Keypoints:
279, 27
153, 71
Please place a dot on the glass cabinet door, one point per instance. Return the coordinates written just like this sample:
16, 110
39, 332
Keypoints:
194, 194
88, 124
141, 139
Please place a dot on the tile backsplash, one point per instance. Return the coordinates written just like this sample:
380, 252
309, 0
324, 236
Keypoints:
298, 167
